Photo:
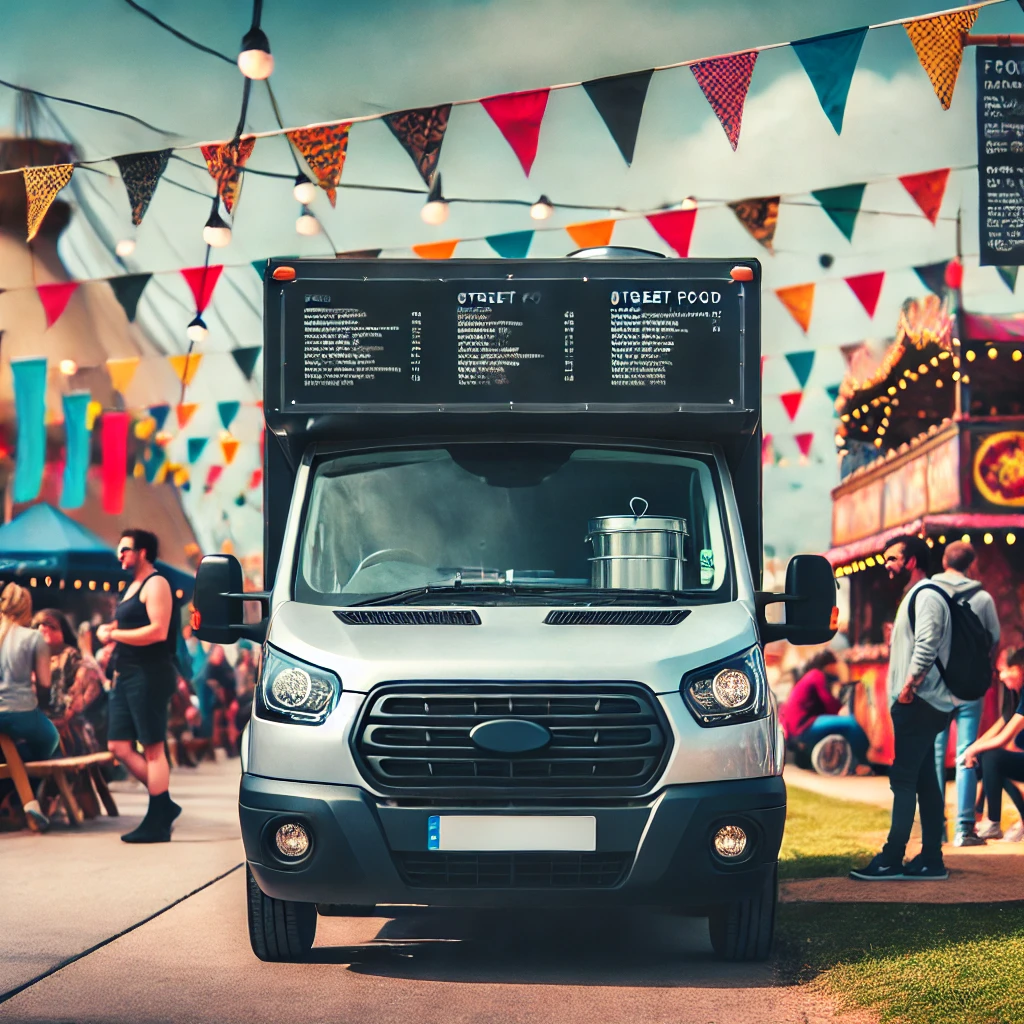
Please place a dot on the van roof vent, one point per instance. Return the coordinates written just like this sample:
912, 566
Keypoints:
418, 617
587, 617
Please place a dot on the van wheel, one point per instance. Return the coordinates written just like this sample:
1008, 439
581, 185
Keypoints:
345, 910
743, 931
279, 930
832, 755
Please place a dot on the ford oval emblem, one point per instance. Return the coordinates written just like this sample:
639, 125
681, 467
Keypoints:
510, 736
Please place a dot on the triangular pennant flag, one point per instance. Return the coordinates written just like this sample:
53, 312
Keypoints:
41, 187
246, 359
153, 462
202, 281
513, 245
801, 363
358, 254
160, 414
212, 476
185, 366
767, 451
842, 204
518, 116
763, 358
128, 290
436, 250
225, 163
229, 446
619, 100
759, 217
1009, 276
121, 372
867, 288
54, 298
421, 133
832, 390
195, 447
830, 61
260, 267
804, 442
791, 401
927, 190
256, 479
227, 412
675, 227
141, 173
850, 350
799, 300
185, 411
937, 42
933, 277
324, 151
588, 234
724, 82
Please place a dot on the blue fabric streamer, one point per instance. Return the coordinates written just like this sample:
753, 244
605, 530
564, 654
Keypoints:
76, 463
30, 410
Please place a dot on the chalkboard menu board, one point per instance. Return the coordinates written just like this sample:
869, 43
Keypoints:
1001, 154
565, 343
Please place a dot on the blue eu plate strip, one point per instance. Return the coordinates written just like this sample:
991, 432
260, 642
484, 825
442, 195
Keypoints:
434, 832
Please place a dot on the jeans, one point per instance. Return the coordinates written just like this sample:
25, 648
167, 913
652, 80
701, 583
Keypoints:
844, 725
996, 767
33, 733
913, 781
968, 719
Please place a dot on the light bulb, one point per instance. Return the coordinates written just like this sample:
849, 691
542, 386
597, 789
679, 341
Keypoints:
216, 234
307, 224
196, 330
689, 203
542, 209
125, 247
435, 210
304, 190
68, 367
255, 60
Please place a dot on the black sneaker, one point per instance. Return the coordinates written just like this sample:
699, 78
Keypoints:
879, 870
919, 869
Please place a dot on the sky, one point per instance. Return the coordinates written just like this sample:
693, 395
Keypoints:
334, 61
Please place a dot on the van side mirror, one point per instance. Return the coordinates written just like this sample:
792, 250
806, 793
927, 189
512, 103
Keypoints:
811, 615
217, 617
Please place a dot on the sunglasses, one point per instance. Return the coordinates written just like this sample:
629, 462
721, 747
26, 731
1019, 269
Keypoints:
122, 551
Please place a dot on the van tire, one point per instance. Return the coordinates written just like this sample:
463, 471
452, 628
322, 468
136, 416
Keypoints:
345, 909
279, 930
743, 931
832, 755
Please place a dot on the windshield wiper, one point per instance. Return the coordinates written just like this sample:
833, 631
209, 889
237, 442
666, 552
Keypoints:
404, 596
581, 595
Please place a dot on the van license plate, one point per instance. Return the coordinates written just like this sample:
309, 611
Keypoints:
476, 833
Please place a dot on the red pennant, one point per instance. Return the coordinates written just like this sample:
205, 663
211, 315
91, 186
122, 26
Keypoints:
804, 442
212, 476
114, 445
54, 298
767, 452
518, 116
256, 479
725, 81
675, 227
927, 190
202, 281
791, 400
867, 288
763, 358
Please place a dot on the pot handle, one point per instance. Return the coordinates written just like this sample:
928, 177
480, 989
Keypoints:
632, 507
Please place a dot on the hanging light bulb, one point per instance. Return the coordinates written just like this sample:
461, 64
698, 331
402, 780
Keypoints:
542, 209
125, 247
255, 60
197, 330
216, 234
304, 190
689, 203
307, 224
435, 210
68, 367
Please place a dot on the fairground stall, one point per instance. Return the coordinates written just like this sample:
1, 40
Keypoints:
933, 436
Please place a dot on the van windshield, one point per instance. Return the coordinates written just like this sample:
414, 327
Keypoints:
513, 523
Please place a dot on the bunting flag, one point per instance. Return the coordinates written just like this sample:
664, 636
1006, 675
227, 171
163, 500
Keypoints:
759, 217
55, 298
619, 100
933, 277
227, 412
927, 190
1009, 276
849, 351
842, 204
30, 411
201, 282
128, 290
938, 46
41, 187
260, 267
436, 250
229, 448
830, 61
791, 402
160, 414
421, 133
212, 476
725, 82
225, 162
763, 358
185, 366
145, 428
92, 414
182, 478
122, 372
675, 227
246, 359
832, 390
141, 173
799, 300
114, 471
195, 447
867, 288
324, 150
804, 442
76, 455
256, 479
358, 254
518, 116
767, 451
801, 364
513, 245
153, 461
184, 412
588, 234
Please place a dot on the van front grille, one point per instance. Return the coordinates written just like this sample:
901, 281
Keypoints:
440, 870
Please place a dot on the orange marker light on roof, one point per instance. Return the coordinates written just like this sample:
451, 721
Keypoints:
283, 274
742, 273
195, 619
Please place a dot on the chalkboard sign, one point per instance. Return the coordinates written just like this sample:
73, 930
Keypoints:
1001, 154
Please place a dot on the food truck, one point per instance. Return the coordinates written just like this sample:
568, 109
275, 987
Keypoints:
513, 631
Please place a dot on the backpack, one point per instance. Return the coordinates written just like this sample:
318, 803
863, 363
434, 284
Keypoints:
968, 671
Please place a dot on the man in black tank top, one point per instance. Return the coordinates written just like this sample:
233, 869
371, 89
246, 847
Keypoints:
144, 680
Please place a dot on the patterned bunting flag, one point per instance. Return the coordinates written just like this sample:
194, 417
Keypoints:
201, 282
114, 471
421, 133
324, 151
141, 173
804, 442
619, 100
759, 217
195, 447
588, 234
128, 290
225, 163
1009, 276
246, 358
725, 82
799, 300
518, 116
229, 448
41, 187
30, 413
933, 277
184, 412
867, 288
927, 190
842, 205
160, 414
121, 372
801, 364
940, 50
436, 250
227, 412
186, 366
791, 402
830, 61
76, 449
675, 227
54, 298
513, 245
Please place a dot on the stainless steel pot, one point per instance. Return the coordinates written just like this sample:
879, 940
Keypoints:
637, 552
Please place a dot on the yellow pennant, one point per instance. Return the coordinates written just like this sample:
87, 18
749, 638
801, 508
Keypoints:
41, 187
92, 414
940, 50
122, 371
185, 366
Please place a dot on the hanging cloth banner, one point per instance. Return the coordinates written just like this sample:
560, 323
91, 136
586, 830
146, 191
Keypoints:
619, 100
195, 447
229, 448
791, 402
212, 476
246, 359
830, 61
675, 227
937, 43
927, 190
55, 298
225, 163
801, 364
421, 133
436, 250
227, 412
76, 459
933, 277
804, 442
160, 414
849, 351
767, 451
799, 300
128, 290
41, 187
114, 471
867, 288
513, 245
121, 372
30, 410
842, 205
759, 217
518, 116
185, 366
202, 281
591, 233
725, 82
324, 150
184, 412
1009, 276
141, 173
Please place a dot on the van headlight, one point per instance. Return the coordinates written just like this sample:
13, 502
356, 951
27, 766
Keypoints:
734, 690
297, 691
